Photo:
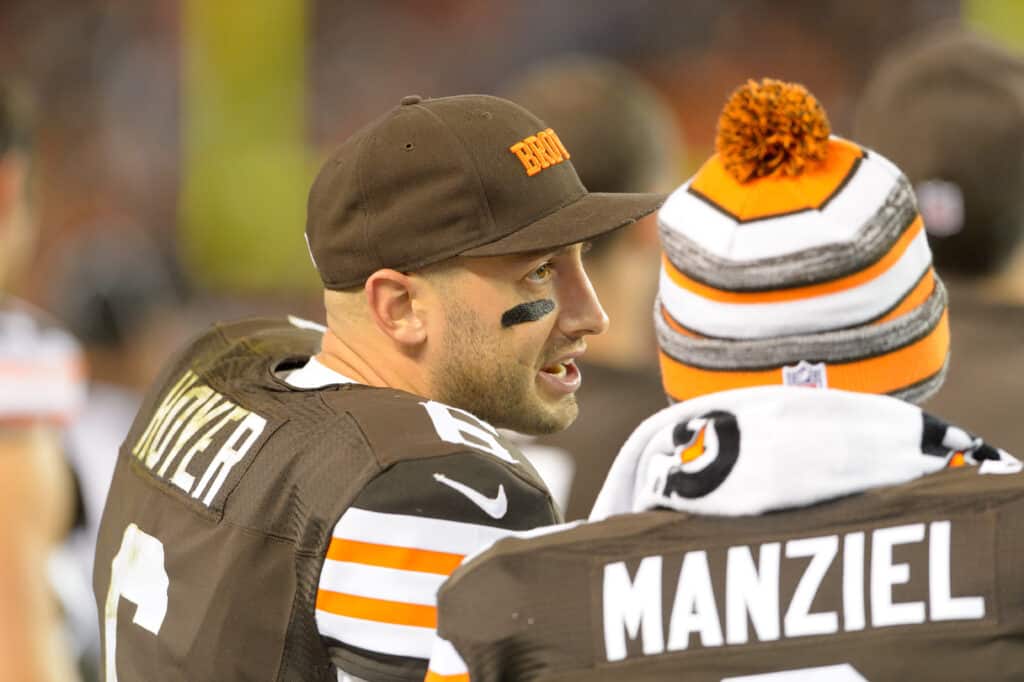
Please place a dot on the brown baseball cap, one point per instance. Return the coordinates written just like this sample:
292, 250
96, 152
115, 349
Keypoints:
470, 175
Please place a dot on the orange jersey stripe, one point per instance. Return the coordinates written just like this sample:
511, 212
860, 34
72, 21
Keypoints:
774, 194
917, 296
437, 677
881, 374
380, 610
798, 293
390, 556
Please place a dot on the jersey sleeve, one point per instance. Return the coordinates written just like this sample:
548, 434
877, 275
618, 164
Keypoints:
396, 544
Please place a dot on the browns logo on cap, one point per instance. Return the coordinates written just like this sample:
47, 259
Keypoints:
437, 178
540, 151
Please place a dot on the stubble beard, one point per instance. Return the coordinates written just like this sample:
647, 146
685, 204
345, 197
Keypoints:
477, 375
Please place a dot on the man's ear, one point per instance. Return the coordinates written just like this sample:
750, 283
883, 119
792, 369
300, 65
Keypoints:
391, 297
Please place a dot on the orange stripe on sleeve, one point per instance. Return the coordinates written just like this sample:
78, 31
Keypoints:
798, 293
380, 610
390, 556
882, 374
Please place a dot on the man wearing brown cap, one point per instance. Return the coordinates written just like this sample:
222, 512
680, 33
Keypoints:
291, 496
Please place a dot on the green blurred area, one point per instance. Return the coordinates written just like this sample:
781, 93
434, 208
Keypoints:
246, 171
1000, 19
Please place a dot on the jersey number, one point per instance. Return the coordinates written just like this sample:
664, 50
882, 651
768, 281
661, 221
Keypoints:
137, 573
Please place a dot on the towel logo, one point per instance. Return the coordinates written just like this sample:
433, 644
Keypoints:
960, 448
805, 374
706, 448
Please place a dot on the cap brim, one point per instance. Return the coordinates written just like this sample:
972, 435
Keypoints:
592, 215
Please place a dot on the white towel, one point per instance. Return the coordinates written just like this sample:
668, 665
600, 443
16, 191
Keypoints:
754, 450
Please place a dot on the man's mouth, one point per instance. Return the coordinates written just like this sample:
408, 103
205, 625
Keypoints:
562, 376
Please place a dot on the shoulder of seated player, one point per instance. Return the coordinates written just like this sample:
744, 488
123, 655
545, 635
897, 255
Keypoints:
463, 486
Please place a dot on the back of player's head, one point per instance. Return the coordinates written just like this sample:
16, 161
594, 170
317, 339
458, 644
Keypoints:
110, 283
948, 107
795, 257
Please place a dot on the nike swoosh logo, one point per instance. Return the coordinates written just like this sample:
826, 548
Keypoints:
496, 507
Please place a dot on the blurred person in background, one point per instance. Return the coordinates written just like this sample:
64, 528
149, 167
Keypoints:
41, 387
115, 290
948, 107
623, 138
795, 516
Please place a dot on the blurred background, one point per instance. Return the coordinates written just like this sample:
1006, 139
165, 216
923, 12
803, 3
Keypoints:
200, 124
197, 126
173, 143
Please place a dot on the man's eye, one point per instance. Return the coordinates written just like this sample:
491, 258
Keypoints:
541, 274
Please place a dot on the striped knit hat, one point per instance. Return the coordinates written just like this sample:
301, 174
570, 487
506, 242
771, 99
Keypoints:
796, 257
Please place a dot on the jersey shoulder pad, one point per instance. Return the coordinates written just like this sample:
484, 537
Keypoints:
400, 426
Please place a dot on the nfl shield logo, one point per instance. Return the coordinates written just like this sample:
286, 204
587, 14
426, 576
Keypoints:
805, 374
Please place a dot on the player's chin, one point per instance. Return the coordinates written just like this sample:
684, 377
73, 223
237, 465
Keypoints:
552, 415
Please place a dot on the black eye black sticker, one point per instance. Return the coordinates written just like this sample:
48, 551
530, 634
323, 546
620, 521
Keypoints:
527, 312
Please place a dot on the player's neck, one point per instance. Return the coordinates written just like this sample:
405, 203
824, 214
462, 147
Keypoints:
367, 368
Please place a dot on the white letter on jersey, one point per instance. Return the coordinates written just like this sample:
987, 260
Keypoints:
799, 621
885, 574
631, 607
943, 606
230, 454
753, 590
694, 608
853, 581
462, 428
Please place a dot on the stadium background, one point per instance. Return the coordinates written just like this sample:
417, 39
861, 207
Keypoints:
201, 123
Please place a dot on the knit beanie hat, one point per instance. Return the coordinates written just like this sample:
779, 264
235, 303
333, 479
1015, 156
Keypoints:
795, 257
948, 107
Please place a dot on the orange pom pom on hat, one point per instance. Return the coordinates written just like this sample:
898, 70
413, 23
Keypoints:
796, 257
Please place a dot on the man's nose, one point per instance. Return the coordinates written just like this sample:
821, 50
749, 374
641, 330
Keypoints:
581, 312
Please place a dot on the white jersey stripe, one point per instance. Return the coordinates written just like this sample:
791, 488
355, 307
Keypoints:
385, 638
376, 582
418, 532
445, 660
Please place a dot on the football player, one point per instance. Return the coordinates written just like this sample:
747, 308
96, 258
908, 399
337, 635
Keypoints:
794, 516
290, 496
624, 139
41, 387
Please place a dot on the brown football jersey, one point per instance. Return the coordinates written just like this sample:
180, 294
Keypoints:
259, 531
919, 581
